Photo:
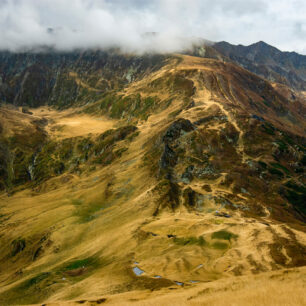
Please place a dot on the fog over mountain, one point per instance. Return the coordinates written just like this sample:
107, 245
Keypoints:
66, 25
152, 152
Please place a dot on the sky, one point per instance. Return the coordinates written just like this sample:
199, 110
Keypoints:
70, 24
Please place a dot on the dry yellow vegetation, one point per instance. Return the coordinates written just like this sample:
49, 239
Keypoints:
87, 231
69, 123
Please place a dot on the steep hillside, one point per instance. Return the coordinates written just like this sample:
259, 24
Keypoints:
186, 183
63, 79
283, 67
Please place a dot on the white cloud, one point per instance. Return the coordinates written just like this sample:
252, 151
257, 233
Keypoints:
68, 24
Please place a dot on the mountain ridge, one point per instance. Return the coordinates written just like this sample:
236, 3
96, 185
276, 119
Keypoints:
185, 174
33, 78
269, 62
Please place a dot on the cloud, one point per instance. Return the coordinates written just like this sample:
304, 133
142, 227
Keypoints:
70, 24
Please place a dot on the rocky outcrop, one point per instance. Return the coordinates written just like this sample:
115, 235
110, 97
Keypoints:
174, 131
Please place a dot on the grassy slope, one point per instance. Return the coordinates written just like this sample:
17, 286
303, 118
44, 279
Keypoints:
85, 231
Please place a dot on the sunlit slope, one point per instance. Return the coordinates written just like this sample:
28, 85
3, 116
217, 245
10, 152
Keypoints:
193, 174
282, 287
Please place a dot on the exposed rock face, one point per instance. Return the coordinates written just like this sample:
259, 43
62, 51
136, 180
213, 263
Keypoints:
187, 176
176, 129
221, 145
168, 190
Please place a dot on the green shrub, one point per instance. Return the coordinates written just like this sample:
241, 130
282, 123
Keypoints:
296, 195
275, 171
262, 164
190, 241
279, 166
268, 128
281, 145
34, 280
220, 245
224, 235
80, 263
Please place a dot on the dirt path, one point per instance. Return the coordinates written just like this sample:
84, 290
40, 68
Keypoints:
204, 97
240, 147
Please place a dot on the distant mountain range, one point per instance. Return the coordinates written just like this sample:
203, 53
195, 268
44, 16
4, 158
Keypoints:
34, 78
268, 62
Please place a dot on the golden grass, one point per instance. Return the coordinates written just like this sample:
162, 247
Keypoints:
121, 230
68, 123
281, 288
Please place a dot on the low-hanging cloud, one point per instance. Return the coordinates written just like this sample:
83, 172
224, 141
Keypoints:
131, 24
